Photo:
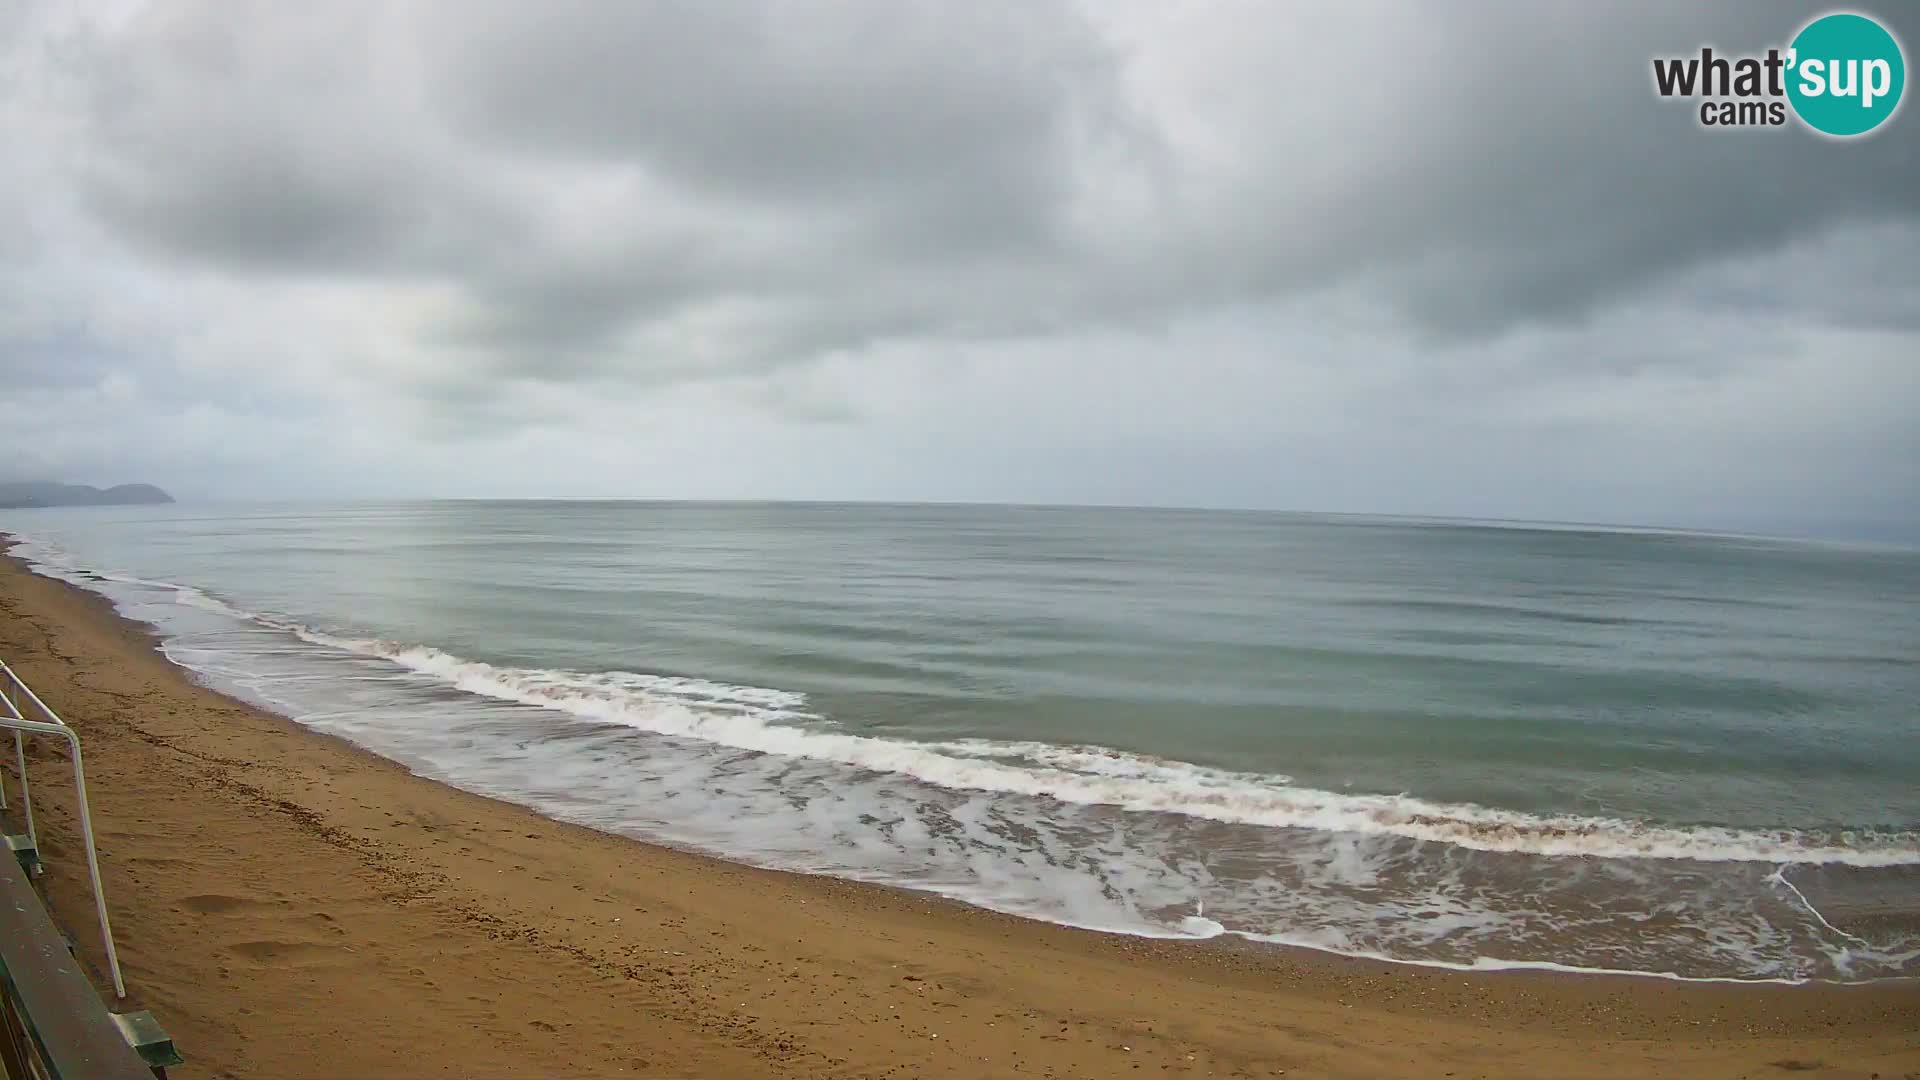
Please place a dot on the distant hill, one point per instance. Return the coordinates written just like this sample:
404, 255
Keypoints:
46, 493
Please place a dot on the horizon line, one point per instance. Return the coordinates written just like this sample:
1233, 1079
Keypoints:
1555, 524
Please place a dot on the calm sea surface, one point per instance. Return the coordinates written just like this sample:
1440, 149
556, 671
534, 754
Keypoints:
1437, 742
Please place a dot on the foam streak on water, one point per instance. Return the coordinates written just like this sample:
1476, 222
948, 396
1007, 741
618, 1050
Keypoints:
726, 716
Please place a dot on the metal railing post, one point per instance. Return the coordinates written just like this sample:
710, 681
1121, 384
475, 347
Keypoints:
7, 700
20, 757
26, 793
40, 727
93, 870
53, 725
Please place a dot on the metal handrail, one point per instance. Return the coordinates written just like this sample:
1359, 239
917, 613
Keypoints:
53, 1025
53, 725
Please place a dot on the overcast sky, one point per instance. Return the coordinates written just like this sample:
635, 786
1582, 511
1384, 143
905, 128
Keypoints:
1435, 259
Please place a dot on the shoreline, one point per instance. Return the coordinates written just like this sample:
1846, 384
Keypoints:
314, 909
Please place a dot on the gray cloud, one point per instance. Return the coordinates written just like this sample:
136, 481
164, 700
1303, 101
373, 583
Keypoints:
58, 359
790, 180
1534, 177
790, 103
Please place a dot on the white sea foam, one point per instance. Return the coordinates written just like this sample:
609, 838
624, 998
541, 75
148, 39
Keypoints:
1099, 761
777, 722
761, 720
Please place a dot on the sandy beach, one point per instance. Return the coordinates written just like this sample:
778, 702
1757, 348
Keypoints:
292, 906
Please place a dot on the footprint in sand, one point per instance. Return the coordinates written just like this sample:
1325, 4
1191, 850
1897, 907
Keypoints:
283, 953
217, 903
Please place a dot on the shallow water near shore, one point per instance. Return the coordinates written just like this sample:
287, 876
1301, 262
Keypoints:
1435, 742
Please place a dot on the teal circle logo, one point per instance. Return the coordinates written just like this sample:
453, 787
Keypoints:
1845, 74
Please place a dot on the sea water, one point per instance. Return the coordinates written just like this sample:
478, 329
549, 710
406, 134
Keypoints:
1454, 743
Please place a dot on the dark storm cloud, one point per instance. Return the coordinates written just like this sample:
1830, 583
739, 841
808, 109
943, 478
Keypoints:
769, 183
1532, 175
263, 210
835, 175
1573, 185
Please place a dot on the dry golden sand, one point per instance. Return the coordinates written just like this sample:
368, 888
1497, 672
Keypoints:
293, 907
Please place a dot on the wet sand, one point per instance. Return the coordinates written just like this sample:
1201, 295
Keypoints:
291, 906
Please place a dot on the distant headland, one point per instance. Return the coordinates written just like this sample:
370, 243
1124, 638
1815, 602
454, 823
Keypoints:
14, 494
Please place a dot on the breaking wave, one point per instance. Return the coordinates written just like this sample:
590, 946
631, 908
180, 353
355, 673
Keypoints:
777, 722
